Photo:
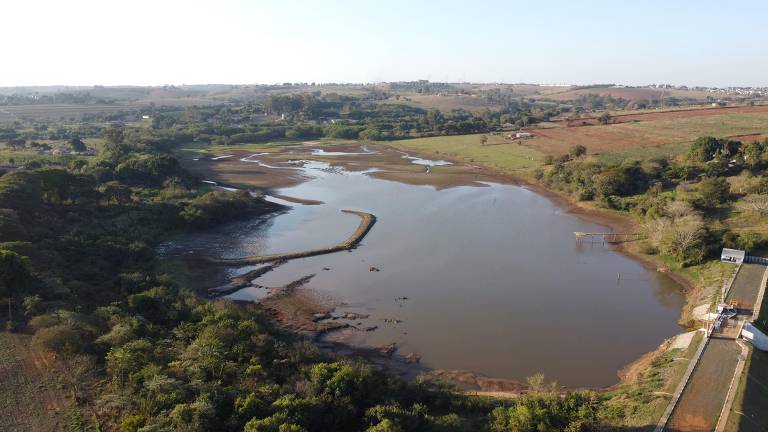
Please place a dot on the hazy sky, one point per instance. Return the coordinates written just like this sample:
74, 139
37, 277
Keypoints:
109, 42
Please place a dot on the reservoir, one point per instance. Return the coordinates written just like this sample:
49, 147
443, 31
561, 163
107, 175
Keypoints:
486, 279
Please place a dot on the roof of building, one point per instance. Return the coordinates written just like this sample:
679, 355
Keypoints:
733, 253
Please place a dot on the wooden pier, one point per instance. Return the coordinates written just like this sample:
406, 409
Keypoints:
612, 237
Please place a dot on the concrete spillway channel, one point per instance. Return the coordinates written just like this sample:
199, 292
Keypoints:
366, 222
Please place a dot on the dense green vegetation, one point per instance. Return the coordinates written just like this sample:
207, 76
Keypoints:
79, 271
684, 202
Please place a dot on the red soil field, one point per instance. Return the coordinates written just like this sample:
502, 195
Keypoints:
669, 115
604, 138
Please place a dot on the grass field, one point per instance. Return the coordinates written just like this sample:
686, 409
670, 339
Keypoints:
749, 412
57, 111
499, 154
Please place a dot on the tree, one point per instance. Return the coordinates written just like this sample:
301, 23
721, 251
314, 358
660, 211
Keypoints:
703, 149
435, 119
754, 203
754, 154
11, 228
371, 133
684, 240
713, 191
114, 146
15, 275
577, 150
549, 411
77, 145
16, 144
604, 118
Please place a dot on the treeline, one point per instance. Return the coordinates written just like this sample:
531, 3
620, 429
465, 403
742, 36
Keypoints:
55, 98
381, 122
306, 115
78, 267
678, 198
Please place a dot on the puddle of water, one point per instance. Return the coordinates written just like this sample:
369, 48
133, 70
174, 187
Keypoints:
249, 294
426, 162
321, 152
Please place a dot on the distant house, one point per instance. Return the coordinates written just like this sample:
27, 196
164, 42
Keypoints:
145, 117
732, 256
61, 150
518, 135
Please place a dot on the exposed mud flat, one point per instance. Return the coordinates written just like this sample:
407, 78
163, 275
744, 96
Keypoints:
282, 168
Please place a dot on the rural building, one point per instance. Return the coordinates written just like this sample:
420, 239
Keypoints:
61, 151
732, 256
519, 135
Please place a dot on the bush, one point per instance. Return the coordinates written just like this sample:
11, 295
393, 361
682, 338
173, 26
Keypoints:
148, 170
744, 241
218, 207
258, 135
343, 131
713, 191
577, 150
62, 338
549, 411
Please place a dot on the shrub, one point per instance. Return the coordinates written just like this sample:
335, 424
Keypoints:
713, 191
62, 338
219, 207
577, 150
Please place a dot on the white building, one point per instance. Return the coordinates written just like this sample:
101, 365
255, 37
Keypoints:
732, 256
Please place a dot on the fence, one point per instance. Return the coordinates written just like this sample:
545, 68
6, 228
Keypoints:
756, 260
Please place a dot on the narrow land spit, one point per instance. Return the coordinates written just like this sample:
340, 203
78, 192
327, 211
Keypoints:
366, 223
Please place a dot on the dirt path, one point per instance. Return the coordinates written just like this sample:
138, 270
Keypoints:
746, 286
700, 404
30, 398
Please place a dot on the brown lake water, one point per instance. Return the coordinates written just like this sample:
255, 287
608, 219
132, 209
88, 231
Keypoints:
494, 280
